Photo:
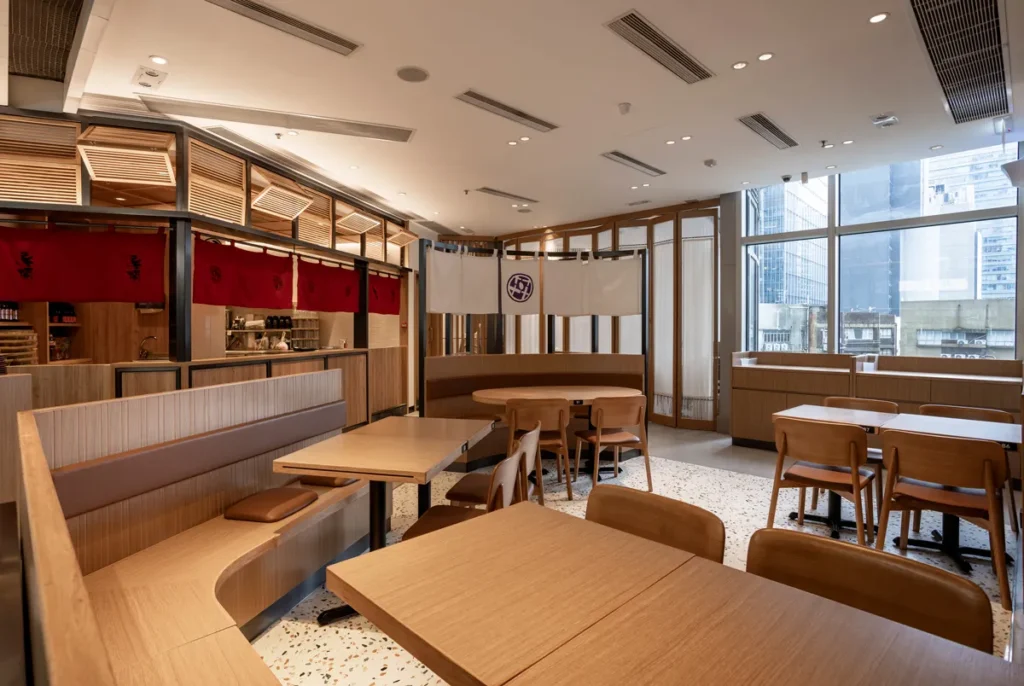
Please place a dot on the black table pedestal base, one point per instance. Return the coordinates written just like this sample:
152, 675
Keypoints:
948, 542
834, 519
378, 524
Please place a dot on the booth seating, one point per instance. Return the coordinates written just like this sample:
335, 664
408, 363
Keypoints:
161, 583
449, 383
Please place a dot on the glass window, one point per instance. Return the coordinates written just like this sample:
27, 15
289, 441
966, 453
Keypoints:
958, 182
793, 206
933, 291
788, 296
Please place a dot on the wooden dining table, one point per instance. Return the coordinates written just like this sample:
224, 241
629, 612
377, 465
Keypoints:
546, 598
576, 395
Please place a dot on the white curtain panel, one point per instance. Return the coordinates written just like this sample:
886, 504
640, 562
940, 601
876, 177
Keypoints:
565, 288
520, 290
479, 285
444, 282
613, 287
698, 335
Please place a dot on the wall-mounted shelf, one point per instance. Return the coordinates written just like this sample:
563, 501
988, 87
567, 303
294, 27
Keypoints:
231, 331
15, 325
65, 325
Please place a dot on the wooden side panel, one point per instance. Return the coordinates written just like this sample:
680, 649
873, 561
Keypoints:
202, 378
15, 397
108, 333
950, 365
896, 388
752, 413
145, 383
287, 368
65, 636
208, 338
792, 381
474, 365
999, 396
353, 379
54, 385
387, 378
803, 359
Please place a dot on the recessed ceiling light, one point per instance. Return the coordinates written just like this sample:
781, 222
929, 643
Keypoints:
740, 65
686, 138
764, 57
524, 138
879, 18
513, 143
828, 145
119, 199
401, 194
515, 205
157, 59
847, 142
436, 213
746, 183
670, 142
633, 187
462, 227
293, 133
936, 147
831, 166
647, 185
354, 167
526, 204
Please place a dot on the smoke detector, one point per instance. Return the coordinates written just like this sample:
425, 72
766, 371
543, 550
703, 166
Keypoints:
710, 163
884, 121
147, 78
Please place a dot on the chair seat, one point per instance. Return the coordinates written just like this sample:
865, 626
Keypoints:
439, 517
548, 439
608, 437
969, 502
472, 488
824, 476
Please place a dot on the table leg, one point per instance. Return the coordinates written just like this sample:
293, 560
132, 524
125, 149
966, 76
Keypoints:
834, 519
378, 524
423, 498
948, 542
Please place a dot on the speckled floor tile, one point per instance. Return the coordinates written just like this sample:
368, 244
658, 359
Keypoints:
354, 652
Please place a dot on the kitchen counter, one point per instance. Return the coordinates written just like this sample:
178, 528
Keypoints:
236, 356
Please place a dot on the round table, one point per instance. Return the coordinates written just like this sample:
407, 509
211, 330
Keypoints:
576, 395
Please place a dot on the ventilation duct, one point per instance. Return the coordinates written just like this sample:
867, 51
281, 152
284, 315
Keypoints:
632, 163
41, 35
39, 161
503, 194
288, 24
637, 203
768, 130
963, 41
116, 155
503, 110
655, 44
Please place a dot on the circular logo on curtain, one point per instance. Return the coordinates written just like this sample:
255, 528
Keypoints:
520, 287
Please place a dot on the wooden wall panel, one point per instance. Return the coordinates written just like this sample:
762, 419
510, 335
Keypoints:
1000, 396
208, 337
287, 368
950, 365
203, 378
144, 383
752, 413
477, 365
384, 330
15, 397
792, 381
387, 368
353, 379
54, 385
896, 388
108, 333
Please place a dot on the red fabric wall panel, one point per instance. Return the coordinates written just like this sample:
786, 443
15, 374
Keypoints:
225, 275
328, 289
385, 295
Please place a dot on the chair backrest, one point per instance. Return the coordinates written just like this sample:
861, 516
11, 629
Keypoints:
659, 519
978, 414
608, 413
527, 444
504, 488
945, 460
524, 413
890, 586
842, 445
866, 404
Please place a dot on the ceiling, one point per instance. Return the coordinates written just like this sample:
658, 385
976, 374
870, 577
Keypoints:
832, 71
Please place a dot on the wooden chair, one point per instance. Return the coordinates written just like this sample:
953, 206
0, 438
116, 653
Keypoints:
830, 456
503, 491
659, 519
890, 586
956, 476
474, 489
874, 452
609, 417
553, 416
978, 414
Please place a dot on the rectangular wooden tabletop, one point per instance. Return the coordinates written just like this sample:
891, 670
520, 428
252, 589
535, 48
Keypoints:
713, 625
1006, 434
396, 449
864, 418
481, 601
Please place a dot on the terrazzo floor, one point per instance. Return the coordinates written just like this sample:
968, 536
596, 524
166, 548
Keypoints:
355, 652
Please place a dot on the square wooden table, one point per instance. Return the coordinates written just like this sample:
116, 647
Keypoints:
712, 625
866, 419
483, 600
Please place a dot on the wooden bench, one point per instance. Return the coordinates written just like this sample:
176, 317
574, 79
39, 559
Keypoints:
158, 579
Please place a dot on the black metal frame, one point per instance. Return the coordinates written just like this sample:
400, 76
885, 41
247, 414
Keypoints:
121, 371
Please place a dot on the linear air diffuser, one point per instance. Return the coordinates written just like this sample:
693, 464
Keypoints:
288, 24
768, 130
632, 163
506, 111
654, 43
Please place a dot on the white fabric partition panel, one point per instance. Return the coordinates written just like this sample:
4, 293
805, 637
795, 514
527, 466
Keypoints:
520, 293
697, 257
461, 284
479, 285
565, 288
444, 282
574, 288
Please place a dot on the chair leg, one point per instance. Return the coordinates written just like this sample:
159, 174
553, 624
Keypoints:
1012, 502
869, 512
800, 507
858, 512
647, 463
997, 543
917, 521
539, 476
905, 529
615, 454
814, 498
568, 480
597, 461
879, 487
883, 524
558, 465
771, 507
579, 449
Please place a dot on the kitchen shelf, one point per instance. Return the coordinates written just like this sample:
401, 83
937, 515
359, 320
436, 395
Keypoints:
231, 331
64, 325
14, 325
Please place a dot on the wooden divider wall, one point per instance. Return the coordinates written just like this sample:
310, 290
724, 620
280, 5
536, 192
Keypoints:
15, 397
387, 378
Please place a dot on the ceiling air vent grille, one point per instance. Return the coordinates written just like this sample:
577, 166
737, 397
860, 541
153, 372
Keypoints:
655, 44
277, 196
116, 155
216, 183
963, 43
632, 163
503, 194
356, 222
284, 22
39, 161
503, 110
636, 203
315, 221
768, 130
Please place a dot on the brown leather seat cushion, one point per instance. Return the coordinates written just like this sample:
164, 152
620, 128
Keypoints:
271, 505
608, 436
472, 488
548, 439
327, 481
439, 517
825, 476
971, 502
